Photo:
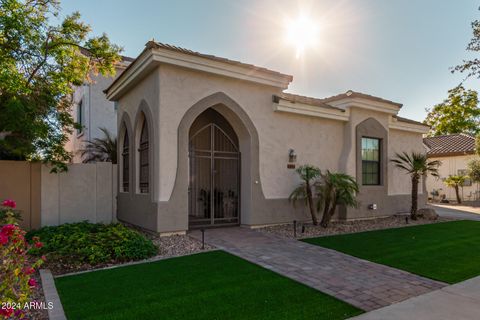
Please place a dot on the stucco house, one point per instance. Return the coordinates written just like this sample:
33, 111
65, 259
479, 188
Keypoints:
93, 111
206, 141
454, 151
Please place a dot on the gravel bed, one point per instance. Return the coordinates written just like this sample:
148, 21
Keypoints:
342, 227
177, 245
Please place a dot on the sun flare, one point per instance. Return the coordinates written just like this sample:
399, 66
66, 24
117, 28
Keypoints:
302, 33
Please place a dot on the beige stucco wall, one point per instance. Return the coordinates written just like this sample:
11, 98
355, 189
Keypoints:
450, 166
400, 141
144, 97
277, 132
169, 93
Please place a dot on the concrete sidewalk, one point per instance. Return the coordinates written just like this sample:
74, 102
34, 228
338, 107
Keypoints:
457, 212
460, 301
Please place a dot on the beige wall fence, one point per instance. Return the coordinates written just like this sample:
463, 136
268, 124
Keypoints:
84, 192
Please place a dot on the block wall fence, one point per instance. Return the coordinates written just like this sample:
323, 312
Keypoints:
87, 191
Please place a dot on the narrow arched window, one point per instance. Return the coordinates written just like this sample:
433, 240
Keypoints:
125, 162
143, 158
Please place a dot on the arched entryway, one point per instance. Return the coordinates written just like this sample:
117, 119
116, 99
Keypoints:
214, 167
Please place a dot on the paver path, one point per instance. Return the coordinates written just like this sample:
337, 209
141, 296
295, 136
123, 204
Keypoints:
364, 284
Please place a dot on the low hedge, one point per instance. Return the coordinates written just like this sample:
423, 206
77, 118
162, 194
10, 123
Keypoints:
92, 243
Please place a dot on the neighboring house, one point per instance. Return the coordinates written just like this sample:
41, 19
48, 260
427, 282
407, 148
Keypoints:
454, 151
93, 111
206, 141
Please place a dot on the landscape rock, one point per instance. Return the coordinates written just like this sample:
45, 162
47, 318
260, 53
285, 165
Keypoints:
427, 214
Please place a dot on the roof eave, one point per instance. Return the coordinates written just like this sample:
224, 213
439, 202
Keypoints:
152, 56
450, 154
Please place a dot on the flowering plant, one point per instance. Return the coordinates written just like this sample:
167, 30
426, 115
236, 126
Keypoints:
16, 271
8, 214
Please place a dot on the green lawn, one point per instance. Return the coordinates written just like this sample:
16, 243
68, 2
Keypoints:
448, 252
211, 285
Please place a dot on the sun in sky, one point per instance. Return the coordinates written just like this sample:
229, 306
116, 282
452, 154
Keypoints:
302, 33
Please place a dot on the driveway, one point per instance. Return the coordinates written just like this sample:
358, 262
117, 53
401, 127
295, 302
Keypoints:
460, 301
362, 283
457, 211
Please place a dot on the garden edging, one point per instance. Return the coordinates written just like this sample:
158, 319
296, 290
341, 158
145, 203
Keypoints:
51, 296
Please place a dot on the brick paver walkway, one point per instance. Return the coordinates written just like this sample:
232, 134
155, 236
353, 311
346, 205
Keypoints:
364, 284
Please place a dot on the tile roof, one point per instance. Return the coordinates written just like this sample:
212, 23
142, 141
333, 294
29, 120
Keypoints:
353, 94
450, 145
154, 44
304, 99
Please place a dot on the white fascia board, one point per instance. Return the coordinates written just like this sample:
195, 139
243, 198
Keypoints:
309, 110
366, 104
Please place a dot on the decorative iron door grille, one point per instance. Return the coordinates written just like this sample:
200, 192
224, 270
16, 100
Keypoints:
214, 189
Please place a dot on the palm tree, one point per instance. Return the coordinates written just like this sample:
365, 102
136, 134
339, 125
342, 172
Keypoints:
101, 150
417, 165
455, 182
308, 174
335, 189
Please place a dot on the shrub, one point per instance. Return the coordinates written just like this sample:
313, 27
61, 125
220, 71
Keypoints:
91, 243
16, 281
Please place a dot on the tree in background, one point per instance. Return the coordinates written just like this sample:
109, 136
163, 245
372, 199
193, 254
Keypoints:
101, 150
40, 64
455, 182
416, 165
459, 113
473, 171
471, 67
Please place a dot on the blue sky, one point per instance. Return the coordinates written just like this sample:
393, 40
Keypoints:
399, 50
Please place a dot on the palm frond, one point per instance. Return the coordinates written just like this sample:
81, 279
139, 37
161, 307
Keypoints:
100, 149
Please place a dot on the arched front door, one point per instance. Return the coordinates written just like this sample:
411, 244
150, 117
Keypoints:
214, 190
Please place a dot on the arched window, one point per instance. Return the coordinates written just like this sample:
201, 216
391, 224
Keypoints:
125, 162
143, 158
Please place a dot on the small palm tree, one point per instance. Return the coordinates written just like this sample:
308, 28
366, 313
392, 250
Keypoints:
309, 175
417, 165
455, 182
335, 189
101, 150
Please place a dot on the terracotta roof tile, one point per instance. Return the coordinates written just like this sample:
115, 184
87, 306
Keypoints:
450, 145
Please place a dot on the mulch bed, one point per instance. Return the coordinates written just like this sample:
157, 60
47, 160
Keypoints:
171, 246
341, 227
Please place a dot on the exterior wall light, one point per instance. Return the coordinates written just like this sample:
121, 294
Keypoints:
292, 156
372, 206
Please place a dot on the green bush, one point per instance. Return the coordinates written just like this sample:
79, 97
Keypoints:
92, 243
